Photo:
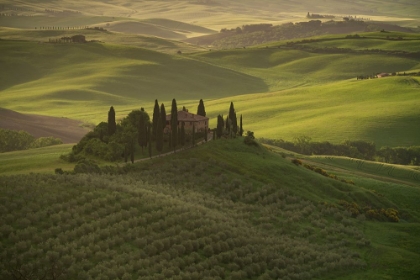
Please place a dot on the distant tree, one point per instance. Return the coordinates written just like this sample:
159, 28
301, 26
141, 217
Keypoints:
214, 134
241, 130
112, 125
201, 110
174, 123
162, 116
156, 115
220, 125
233, 119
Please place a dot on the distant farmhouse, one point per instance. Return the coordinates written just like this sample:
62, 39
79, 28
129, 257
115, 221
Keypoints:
382, 75
200, 123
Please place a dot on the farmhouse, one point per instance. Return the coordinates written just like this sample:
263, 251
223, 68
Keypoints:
200, 123
381, 75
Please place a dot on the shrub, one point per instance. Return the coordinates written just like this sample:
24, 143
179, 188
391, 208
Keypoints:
250, 139
297, 161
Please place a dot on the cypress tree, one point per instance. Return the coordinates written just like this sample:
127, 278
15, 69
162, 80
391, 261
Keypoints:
241, 130
112, 125
162, 116
156, 115
159, 136
174, 123
201, 109
233, 119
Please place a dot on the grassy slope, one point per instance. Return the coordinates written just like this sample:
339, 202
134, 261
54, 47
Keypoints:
383, 111
41, 160
393, 252
95, 76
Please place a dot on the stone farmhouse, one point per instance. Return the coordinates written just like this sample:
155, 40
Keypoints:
200, 123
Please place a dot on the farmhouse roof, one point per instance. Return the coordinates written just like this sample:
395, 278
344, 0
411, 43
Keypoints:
184, 116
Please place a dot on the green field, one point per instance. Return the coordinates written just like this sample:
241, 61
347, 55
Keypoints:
267, 85
41, 160
221, 210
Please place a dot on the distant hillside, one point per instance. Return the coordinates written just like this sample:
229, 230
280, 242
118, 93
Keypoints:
249, 35
69, 131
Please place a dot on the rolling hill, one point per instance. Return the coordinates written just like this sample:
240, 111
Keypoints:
246, 210
267, 84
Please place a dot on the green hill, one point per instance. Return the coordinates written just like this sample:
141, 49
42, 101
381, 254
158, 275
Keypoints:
222, 209
282, 93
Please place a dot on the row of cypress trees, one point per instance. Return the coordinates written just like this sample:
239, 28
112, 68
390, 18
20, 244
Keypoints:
149, 132
229, 127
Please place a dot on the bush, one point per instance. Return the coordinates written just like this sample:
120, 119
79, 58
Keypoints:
297, 161
250, 139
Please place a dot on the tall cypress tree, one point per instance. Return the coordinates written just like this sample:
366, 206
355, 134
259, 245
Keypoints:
112, 125
233, 119
162, 116
156, 115
241, 130
174, 124
201, 109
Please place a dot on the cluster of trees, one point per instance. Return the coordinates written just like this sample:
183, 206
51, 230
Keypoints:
11, 140
259, 34
305, 145
229, 127
309, 15
355, 149
399, 155
62, 28
111, 141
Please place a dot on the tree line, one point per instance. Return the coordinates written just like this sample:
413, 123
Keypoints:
112, 141
355, 149
11, 140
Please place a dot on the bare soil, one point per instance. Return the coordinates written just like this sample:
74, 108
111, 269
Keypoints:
68, 130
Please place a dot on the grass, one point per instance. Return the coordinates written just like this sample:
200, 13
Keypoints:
393, 250
41, 160
266, 85
334, 112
